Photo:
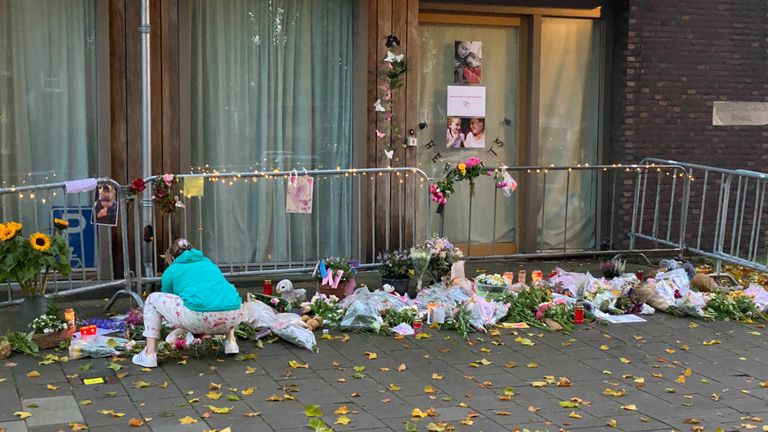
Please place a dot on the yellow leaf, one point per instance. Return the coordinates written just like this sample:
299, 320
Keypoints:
423, 335
416, 412
326, 336
687, 372
630, 407
146, 370
187, 420
217, 410
485, 350
485, 362
85, 402
214, 395
624, 360
503, 413
384, 369
532, 365
611, 423
764, 384
371, 355
250, 370
76, 427
341, 380
214, 386
342, 420
712, 342
640, 380
343, 410
467, 421
274, 398
533, 409
670, 390
657, 375
134, 422
614, 393
680, 379
252, 414
182, 362
402, 367
296, 365
23, 414
510, 365
693, 325
52, 387
564, 382
394, 387
436, 376
574, 414
112, 413
248, 391
539, 383
605, 347
33, 374
429, 389
670, 351
524, 341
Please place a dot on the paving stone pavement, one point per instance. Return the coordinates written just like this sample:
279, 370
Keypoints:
674, 375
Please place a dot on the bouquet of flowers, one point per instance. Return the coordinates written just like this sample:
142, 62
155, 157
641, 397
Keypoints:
396, 265
420, 257
556, 313
613, 268
327, 308
468, 170
443, 255
47, 324
494, 280
733, 305
394, 317
29, 261
166, 194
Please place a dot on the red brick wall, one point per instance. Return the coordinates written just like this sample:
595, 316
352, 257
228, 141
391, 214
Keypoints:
670, 60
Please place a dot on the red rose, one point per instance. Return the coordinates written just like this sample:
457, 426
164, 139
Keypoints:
137, 185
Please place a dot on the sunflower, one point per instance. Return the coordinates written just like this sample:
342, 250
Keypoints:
40, 241
13, 227
60, 223
5, 233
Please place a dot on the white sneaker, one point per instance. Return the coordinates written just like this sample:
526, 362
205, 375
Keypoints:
145, 360
230, 347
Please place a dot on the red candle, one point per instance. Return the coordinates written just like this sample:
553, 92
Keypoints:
417, 326
640, 275
267, 287
578, 314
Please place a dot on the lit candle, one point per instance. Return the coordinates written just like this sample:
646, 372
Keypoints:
69, 317
536, 275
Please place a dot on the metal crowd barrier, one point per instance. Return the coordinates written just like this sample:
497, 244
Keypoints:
356, 214
35, 206
578, 211
730, 231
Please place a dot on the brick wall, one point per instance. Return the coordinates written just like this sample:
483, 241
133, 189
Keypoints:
670, 61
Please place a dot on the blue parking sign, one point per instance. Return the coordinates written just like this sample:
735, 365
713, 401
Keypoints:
81, 235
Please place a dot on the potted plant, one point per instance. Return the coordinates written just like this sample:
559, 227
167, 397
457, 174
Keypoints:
49, 329
396, 269
443, 255
613, 268
339, 279
29, 261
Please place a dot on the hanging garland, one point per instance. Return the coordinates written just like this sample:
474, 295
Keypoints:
469, 170
395, 68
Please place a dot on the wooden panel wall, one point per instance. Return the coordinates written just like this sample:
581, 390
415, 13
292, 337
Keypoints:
398, 18
126, 94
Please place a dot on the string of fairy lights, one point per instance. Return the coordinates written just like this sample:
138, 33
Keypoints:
402, 174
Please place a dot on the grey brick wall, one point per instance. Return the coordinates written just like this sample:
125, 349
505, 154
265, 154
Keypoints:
670, 61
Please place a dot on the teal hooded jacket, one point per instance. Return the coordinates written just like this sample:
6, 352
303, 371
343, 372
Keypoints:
200, 284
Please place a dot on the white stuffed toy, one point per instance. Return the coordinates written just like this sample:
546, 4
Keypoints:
289, 294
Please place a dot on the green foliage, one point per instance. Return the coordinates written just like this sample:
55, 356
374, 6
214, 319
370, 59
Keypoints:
733, 305
23, 343
460, 321
334, 264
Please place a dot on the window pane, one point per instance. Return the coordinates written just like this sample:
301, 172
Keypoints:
271, 88
568, 129
47, 94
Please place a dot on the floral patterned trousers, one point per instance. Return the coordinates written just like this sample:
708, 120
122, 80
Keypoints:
170, 307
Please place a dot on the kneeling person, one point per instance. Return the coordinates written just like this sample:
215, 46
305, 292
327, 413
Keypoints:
195, 296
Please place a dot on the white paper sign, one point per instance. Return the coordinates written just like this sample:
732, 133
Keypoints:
739, 113
466, 101
624, 319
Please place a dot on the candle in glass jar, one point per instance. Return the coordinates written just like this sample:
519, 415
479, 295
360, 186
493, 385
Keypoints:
536, 275
521, 276
578, 314
69, 317
268, 287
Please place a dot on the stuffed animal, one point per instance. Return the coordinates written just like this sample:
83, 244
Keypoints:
288, 293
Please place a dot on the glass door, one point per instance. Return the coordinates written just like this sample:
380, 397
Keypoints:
469, 99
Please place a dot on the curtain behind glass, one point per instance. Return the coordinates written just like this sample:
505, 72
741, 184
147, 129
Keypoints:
568, 129
500, 76
271, 88
47, 92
